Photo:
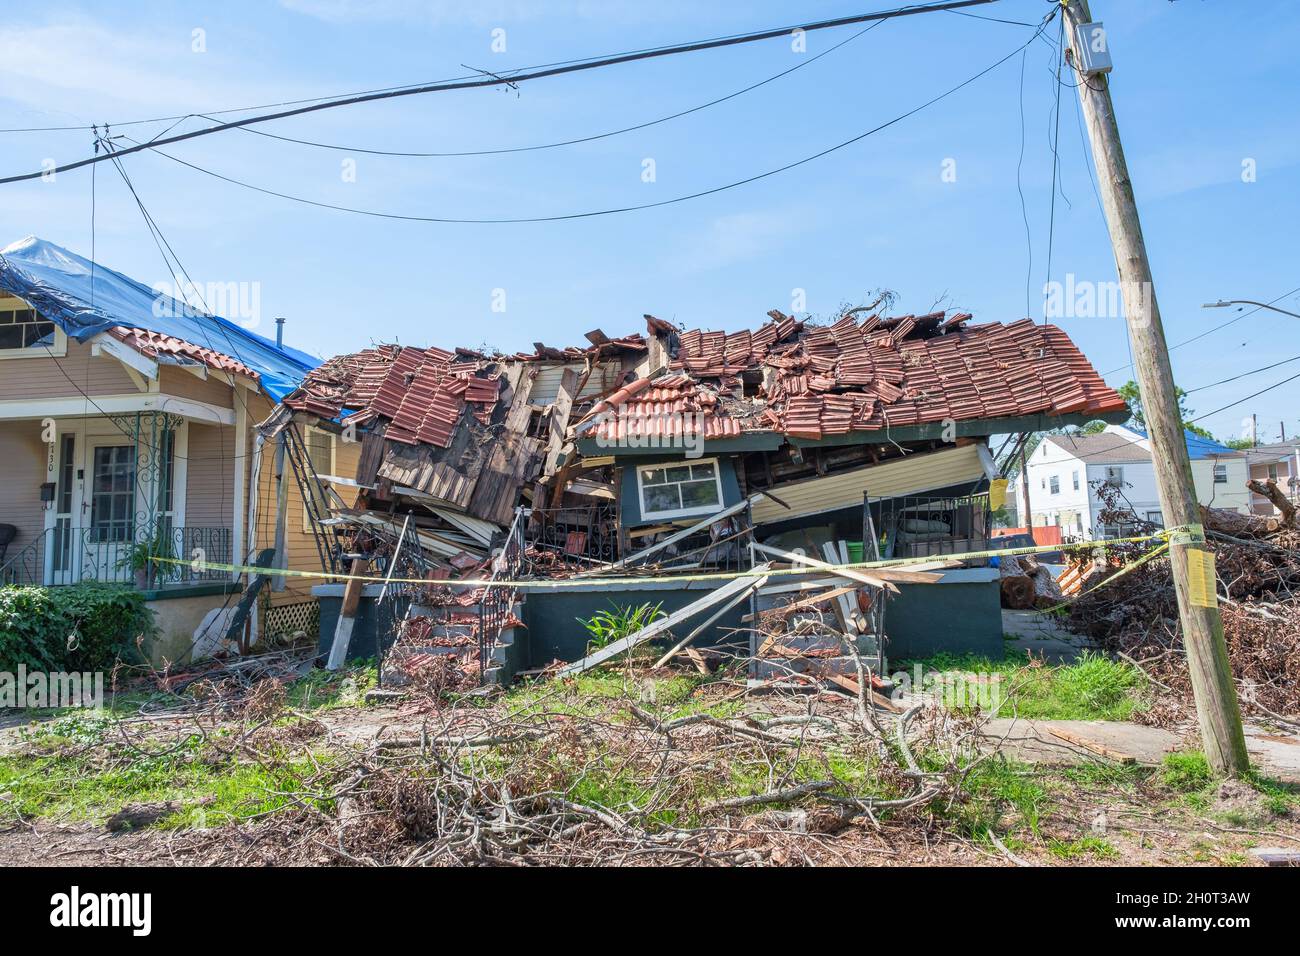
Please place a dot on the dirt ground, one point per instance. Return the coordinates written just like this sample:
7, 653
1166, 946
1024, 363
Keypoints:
1079, 810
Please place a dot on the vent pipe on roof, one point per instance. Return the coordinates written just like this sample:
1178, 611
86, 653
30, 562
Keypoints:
279, 331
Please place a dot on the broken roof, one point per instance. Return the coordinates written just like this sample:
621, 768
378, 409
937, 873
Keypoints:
85, 299
810, 382
421, 392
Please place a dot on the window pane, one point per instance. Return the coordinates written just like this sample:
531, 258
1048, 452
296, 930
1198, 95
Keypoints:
652, 476
11, 336
703, 470
662, 498
699, 493
679, 473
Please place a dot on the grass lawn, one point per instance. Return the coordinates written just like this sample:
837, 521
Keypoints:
1092, 688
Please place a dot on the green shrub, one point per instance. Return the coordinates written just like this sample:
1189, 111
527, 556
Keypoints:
83, 627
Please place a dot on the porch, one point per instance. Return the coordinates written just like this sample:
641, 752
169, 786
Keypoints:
144, 498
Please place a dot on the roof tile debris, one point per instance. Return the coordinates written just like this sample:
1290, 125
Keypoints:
156, 345
819, 381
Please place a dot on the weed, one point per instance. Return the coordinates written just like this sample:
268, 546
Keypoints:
606, 627
1186, 772
1084, 846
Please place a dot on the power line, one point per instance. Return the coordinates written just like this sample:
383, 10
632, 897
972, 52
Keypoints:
1216, 328
512, 79
1234, 378
600, 212
1248, 397
506, 75
566, 142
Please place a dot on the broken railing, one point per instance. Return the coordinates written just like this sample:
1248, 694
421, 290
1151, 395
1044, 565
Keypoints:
579, 536
914, 526
497, 603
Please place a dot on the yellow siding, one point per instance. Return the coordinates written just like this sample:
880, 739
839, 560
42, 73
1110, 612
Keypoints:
914, 473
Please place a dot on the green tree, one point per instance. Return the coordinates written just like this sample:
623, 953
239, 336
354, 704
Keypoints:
1130, 393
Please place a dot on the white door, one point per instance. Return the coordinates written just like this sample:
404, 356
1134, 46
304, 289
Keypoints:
109, 509
63, 551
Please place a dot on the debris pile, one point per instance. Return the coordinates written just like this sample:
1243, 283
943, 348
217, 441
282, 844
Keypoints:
1026, 584
1257, 564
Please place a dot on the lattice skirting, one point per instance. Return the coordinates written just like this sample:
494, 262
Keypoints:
285, 619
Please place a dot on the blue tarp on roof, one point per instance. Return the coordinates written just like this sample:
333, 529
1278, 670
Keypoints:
1197, 447
59, 285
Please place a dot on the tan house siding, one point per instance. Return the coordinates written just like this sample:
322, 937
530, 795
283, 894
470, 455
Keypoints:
35, 378
214, 390
210, 476
299, 544
22, 469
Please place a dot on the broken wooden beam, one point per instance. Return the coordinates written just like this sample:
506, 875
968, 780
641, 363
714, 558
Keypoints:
653, 629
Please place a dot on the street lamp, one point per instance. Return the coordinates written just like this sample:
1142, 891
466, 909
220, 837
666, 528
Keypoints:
1224, 303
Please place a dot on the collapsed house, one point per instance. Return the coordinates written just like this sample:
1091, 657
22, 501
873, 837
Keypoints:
667, 458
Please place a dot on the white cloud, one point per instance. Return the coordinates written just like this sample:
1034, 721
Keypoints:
77, 68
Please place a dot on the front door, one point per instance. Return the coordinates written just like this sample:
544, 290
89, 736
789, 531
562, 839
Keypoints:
64, 555
109, 509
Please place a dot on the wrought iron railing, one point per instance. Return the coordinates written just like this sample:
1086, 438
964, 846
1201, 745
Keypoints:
65, 554
497, 603
921, 525
582, 536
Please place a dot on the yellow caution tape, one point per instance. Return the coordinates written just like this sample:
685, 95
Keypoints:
582, 582
1193, 534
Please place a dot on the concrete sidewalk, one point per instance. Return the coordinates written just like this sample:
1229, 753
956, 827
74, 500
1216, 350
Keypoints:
1272, 754
1041, 636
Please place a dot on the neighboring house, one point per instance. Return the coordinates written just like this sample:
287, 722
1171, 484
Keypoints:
1066, 471
126, 428
1279, 462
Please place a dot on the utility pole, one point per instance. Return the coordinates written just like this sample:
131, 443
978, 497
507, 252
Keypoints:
1217, 709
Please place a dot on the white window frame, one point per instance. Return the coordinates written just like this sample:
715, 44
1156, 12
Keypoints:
679, 512
1054, 485
1220, 474
58, 350
1115, 476
334, 451
1074, 475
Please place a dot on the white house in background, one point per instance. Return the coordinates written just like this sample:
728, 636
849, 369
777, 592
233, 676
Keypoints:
1065, 471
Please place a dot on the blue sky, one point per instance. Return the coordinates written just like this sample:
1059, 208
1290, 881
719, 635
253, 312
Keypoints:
1201, 88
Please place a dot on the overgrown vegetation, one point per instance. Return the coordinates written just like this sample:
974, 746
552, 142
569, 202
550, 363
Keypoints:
82, 627
622, 765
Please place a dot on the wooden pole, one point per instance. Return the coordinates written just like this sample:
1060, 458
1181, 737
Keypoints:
1207, 656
